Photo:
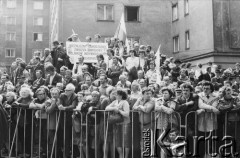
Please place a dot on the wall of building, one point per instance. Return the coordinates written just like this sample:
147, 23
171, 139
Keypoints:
24, 16
81, 16
199, 22
31, 13
227, 25
4, 28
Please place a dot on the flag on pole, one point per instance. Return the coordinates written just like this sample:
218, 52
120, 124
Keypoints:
127, 45
121, 32
74, 35
73, 31
157, 61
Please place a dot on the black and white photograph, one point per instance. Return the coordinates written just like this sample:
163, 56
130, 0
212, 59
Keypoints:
119, 79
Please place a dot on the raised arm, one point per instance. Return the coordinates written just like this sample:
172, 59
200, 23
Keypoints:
148, 107
111, 107
136, 104
203, 105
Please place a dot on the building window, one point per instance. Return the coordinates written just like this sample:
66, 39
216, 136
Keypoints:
186, 7
37, 37
132, 13
10, 53
11, 36
11, 4
38, 5
187, 39
38, 21
104, 12
175, 12
176, 44
11, 20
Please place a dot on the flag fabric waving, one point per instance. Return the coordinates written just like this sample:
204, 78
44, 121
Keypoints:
157, 61
121, 32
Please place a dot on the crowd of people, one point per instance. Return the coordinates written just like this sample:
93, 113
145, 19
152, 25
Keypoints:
125, 85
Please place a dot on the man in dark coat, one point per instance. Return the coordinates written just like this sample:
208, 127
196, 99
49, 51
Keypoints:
39, 81
207, 76
53, 77
68, 102
34, 66
59, 56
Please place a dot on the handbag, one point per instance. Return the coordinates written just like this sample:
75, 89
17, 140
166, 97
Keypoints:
115, 118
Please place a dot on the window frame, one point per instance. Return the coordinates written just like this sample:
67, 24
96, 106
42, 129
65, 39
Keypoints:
34, 20
177, 36
37, 33
15, 20
6, 38
38, 2
175, 5
138, 13
14, 55
186, 13
187, 47
105, 12
11, 7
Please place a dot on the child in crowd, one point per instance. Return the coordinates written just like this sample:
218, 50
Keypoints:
170, 147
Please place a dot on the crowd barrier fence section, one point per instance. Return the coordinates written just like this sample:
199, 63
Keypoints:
35, 133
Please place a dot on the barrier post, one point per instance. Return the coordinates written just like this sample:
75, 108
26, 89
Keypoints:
24, 134
87, 152
55, 136
64, 135
72, 137
15, 133
40, 129
47, 135
96, 134
32, 142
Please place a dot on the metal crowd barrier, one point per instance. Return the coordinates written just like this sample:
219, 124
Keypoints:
91, 135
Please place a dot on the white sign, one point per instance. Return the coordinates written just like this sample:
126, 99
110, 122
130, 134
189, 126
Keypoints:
88, 50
